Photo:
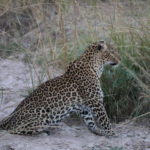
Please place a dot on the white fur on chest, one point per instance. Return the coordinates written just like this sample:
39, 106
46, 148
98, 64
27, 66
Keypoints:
100, 71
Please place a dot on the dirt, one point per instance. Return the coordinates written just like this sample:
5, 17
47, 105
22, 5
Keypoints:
15, 79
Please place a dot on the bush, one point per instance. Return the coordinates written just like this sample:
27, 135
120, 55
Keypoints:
127, 88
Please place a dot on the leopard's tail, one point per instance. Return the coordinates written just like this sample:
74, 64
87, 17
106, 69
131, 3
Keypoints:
1, 125
4, 122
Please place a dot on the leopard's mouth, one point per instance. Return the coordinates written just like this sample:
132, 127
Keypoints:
113, 63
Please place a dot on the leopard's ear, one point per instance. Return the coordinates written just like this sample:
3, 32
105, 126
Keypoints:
101, 45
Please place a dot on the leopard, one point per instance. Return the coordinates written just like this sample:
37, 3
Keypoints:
78, 91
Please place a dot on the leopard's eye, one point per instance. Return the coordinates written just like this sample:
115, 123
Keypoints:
99, 47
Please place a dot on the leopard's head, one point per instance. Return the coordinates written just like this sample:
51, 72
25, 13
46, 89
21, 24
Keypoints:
103, 53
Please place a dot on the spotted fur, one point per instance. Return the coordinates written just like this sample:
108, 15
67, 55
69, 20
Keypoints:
77, 90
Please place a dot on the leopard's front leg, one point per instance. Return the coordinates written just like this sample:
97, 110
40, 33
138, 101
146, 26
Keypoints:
100, 117
92, 97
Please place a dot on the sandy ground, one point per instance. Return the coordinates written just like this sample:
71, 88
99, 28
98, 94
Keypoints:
15, 78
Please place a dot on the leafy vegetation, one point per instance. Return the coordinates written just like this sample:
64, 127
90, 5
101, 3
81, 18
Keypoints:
7, 50
127, 87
